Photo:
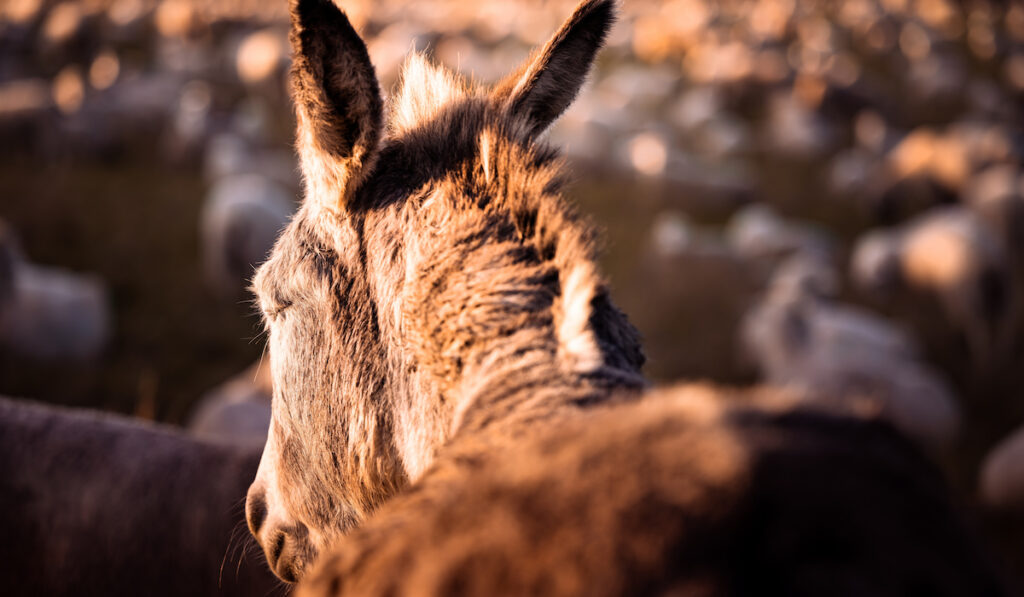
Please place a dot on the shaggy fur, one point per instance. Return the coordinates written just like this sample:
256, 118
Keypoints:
443, 334
685, 493
95, 504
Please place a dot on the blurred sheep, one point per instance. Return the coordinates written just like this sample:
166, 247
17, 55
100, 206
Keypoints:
233, 153
98, 504
46, 312
1002, 474
997, 195
673, 234
237, 411
240, 221
760, 234
801, 339
948, 253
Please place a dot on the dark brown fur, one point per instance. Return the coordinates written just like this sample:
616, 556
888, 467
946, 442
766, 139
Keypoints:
457, 400
687, 493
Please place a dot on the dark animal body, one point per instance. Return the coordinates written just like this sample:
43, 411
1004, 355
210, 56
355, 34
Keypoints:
97, 504
688, 492
458, 405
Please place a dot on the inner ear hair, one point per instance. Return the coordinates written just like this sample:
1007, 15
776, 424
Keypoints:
337, 99
547, 83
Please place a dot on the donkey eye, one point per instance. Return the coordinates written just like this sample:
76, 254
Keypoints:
276, 310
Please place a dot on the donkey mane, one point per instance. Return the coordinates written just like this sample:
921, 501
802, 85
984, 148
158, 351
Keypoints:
484, 181
423, 90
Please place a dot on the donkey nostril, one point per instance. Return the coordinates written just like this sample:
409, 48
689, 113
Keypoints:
276, 549
287, 550
255, 511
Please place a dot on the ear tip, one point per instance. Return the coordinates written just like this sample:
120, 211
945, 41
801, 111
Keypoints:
605, 12
307, 11
320, 19
609, 7
313, 4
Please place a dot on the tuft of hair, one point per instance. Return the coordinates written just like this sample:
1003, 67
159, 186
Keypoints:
424, 90
486, 145
576, 338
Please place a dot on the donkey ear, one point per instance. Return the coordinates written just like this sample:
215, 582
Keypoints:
548, 82
337, 102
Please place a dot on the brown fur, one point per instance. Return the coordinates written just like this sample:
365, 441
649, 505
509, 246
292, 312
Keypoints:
685, 493
443, 336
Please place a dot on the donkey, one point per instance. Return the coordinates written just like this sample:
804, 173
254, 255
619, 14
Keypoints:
446, 357
97, 504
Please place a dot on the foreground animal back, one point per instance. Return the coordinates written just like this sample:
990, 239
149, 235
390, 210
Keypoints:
680, 494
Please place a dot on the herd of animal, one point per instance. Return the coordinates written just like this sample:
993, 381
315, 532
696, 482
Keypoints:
458, 406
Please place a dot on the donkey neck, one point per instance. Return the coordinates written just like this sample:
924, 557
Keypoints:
501, 316
492, 312
512, 386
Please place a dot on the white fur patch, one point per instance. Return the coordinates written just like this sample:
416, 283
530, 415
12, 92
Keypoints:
426, 88
485, 153
576, 339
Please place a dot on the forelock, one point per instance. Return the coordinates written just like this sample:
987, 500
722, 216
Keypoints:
425, 89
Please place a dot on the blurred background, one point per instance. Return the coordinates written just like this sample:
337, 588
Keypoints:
825, 195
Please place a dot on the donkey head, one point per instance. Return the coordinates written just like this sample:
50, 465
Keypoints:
431, 261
